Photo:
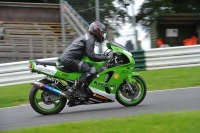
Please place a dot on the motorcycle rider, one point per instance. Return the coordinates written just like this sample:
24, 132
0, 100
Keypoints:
84, 46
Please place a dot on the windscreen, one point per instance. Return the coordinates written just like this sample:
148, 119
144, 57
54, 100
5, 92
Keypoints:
119, 45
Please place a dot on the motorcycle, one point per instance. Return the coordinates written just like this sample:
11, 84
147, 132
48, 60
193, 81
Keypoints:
115, 80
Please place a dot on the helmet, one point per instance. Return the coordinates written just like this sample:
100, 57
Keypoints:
97, 29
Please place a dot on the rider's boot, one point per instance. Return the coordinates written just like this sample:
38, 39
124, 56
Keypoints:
76, 91
71, 92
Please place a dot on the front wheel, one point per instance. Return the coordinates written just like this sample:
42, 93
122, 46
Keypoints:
131, 94
45, 103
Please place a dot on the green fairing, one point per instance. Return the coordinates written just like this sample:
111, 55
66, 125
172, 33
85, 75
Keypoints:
121, 70
75, 75
124, 71
69, 76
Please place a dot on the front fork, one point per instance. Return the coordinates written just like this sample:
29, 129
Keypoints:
129, 77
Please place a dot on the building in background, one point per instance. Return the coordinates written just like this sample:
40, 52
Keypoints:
173, 29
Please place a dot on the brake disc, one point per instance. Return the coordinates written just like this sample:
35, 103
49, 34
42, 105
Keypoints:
128, 92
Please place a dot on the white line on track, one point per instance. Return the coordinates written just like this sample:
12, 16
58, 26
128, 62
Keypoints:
15, 106
175, 89
148, 91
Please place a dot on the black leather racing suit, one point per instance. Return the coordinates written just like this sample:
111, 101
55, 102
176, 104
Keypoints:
72, 55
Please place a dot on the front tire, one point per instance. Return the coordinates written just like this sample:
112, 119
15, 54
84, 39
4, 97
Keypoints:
132, 94
37, 100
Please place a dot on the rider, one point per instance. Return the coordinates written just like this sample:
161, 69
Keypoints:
84, 46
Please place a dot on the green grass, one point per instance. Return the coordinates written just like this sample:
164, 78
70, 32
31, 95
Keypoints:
155, 80
14, 95
172, 78
176, 122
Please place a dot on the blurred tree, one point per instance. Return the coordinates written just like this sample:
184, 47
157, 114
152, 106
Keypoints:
151, 9
113, 14
108, 12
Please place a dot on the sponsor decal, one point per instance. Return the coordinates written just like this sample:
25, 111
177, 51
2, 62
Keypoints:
100, 97
105, 84
125, 72
49, 69
116, 76
103, 93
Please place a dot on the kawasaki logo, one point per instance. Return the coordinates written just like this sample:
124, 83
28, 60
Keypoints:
104, 84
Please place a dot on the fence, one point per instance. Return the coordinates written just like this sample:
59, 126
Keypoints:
161, 58
170, 57
18, 72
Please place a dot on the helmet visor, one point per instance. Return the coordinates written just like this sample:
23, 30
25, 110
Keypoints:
103, 33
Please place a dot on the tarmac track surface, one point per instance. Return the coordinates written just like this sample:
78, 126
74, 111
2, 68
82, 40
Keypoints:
156, 101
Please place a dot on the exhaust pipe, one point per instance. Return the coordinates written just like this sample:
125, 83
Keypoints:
50, 89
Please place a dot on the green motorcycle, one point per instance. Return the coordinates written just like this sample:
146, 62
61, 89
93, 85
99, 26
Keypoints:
115, 79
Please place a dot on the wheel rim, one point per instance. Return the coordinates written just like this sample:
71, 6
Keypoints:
141, 89
46, 108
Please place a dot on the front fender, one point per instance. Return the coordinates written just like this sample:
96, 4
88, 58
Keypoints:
129, 76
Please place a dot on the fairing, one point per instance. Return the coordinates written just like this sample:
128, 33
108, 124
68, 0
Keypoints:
117, 76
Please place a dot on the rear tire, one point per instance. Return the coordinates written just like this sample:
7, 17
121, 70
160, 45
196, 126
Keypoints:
127, 98
35, 99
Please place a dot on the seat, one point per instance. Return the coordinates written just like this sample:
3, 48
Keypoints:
44, 63
63, 69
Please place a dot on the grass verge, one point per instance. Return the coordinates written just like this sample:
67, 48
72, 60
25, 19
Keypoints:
14, 95
171, 78
155, 80
176, 122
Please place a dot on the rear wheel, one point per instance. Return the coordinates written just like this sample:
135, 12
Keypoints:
131, 94
44, 102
